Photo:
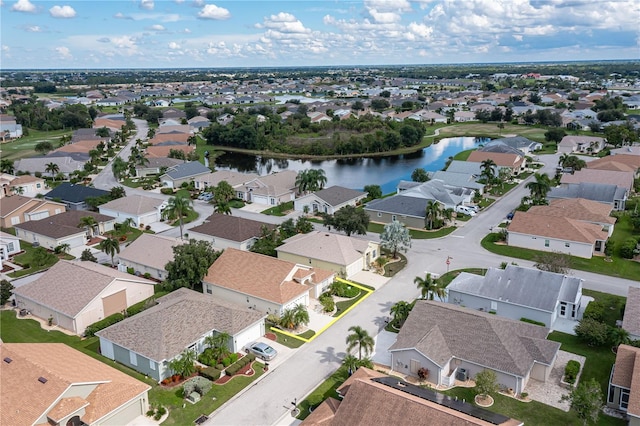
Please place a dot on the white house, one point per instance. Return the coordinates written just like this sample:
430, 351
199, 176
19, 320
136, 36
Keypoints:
329, 200
140, 209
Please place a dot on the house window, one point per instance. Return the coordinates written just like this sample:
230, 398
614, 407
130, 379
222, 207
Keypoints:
38, 185
273, 202
394, 217
546, 243
624, 399
379, 214
15, 220
152, 365
612, 391
58, 211
374, 254
209, 291
10, 247
133, 358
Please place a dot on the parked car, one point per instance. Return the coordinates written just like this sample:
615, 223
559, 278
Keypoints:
262, 350
205, 196
510, 215
465, 210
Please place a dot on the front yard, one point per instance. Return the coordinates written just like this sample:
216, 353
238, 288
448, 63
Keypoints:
35, 259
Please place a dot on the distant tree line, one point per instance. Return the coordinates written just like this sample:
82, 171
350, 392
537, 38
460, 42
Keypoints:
35, 115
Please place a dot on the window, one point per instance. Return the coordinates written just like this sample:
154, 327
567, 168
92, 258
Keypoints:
624, 399
38, 185
10, 247
15, 220
152, 365
394, 217
58, 211
133, 358
273, 202
209, 291
546, 243
379, 214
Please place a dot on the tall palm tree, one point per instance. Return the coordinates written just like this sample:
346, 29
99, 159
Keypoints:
351, 362
317, 179
432, 213
177, 208
110, 246
400, 312
88, 222
563, 158
6, 166
18, 190
302, 181
429, 286
219, 344
539, 188
361, 339
119, 167
487, 168
52, 168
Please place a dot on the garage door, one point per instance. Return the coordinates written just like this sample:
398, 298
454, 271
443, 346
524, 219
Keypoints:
251, 334
124, 417
116, 302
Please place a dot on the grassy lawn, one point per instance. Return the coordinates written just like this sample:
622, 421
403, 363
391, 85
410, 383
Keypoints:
26, 258
23, 147
446, 279
285, 340
418, 234
279, 210
614, 303
491, 130
326, 390
622, 268
463, 155
502, 189
346, 304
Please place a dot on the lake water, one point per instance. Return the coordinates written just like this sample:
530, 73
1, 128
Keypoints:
357, 172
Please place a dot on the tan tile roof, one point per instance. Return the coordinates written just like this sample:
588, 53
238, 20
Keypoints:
179, 319
232, 228
66, 407
178, 128
614, 177
151, 250
133, 204
233, 178
630, 161
68, 287
626, 374
258, 275
326, 246
63, 367
63, 224
501, 159
631, 320
14, 202
21, 180
576, 208
561, 228
163, 151
80, 146
169, 137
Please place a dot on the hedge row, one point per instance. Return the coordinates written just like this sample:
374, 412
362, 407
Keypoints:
571, 371
210, 373
530, 321
238, 365
227, 361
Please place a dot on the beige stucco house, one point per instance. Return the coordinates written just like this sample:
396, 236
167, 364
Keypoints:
148, 254
18, 209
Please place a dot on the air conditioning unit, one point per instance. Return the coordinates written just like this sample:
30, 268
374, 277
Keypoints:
462, 374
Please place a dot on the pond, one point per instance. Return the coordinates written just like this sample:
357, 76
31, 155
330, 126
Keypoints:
357, 172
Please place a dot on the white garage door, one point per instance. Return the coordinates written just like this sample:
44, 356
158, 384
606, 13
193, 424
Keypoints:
249, 335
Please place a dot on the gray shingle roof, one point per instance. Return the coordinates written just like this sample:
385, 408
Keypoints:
521, 286
336, 195
74, 193
441, 331
178, 320
603, 193
462, 180
326, 246
63, 224
399, 205
184, 170
232, 228
68, 287
133, 204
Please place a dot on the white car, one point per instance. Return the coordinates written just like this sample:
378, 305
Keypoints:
262, 350
465, 210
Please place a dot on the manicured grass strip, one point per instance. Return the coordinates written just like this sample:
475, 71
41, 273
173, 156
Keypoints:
287, 339
446, 279
415, 233
327, 389
279, 210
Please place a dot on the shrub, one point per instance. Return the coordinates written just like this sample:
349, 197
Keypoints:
102, 324
523, 395
166, 191
233, 357
328, 305
423, 373
131, 271
198, 384
210, 373
220, 366
571, 371
251, 357
592, 332
147, 228
530, 321
232, 369
627, 248
161, 410
226, 361
595, 311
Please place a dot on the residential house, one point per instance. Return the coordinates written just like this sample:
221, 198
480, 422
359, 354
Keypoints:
610, 177
180, 128
266, 284
180, 320
582, 144
631, 318
26, 185
621, 162
624, 384
9, 129
156, 166
9, 246
74, 196
54, 384
66, 164
345, 256
186, 172
111, 122
520, 143
171, 138
580, 209
163, 151
626, 150
329, 200
613, 195
270, 190
140, 209
77, 294
460, 180
236, 179
18, 209
556, 234
63, 228
466, 167
454, 342
514, 162
464, 116
148, 255
410, 211
224, 231
368, 393
518, 292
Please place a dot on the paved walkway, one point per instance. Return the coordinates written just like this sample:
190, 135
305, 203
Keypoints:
551, 391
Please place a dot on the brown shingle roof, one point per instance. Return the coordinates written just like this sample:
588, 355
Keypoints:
24, 399
63, 224
630, 161
501, 159
561, 228
441, 331
163, 151
169, 137
68, 287
626, 374
631, 320
576, 208
612, 177
231, 228
179, 319
258, 275
150, 250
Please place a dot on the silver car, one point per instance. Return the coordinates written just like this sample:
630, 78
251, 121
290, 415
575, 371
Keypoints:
262, 350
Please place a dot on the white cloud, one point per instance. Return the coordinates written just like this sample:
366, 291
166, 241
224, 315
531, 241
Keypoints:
186, 31
64, 52
147, 4
284, 23
23, 6
211, 11
33, 29
5, 48
173, 45
62, 12
157, 27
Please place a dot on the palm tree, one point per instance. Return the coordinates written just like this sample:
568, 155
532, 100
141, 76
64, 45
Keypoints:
302, 181
6, 166
126, 225
177, 208
222, 207
351, 362
52, 168
432, 213
562, 160
429, 286
317, 179
400, 312
119, 167
219, 344
487, 168
360, 337
539, 188
300, 315
110, 246
287, 320
19, 190
88, 222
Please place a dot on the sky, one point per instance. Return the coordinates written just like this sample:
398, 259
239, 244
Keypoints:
240, 33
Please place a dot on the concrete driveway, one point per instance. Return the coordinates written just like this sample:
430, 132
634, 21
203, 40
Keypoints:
381, 354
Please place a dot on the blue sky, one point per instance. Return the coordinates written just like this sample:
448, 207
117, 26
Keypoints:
240, 33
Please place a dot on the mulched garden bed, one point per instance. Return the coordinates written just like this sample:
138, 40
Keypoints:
247, 370
271, 336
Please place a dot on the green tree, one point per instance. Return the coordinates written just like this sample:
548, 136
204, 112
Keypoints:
6, 166
110, 246
539, 188
117, 192
119, 168
103, 132
222, 207
586, 400
177, 209
373, 191
360, 338
430, 286
224, 191
303, 225
300, 315
219, 344
310, 180
486, 383
190, 263
555, 134
88, 223
52, 168
419, 175
184, 364
487, 170
6, 290
42, 257
88, 256
592, 332
267, 242
394, 237
400, 311
574, 162
432, 213
350, 220
43, 148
